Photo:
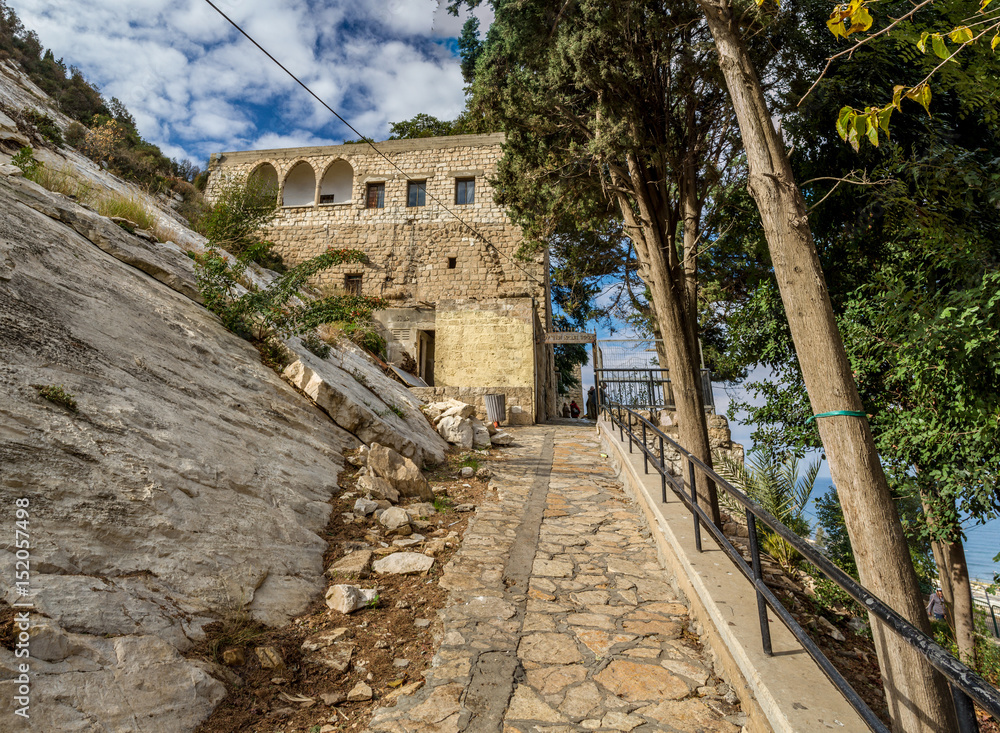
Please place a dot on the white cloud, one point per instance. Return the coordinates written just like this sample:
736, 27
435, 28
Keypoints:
195, 86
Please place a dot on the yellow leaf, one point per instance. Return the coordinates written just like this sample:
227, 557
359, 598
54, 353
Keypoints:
994, 42
940, 47
836, 24
845, 121
860, 21
883, 118
897, 92
961, 35
922, 43
983, 4
871, 128
921, 95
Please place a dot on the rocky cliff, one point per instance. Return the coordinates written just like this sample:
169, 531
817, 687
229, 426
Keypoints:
188, 481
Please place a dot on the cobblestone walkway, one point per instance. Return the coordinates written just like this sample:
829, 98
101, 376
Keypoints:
559, 617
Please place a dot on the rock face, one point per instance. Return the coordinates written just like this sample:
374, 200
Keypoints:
191, 480
343, 386
402, 473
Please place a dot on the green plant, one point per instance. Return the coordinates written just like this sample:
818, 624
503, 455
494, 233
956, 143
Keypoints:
364, 333
45, 125
237, 628
778, 488
243, 207
56, 394
125, 207
469, 462
442, 504
397, 411
316, 345
25, 160
373, 603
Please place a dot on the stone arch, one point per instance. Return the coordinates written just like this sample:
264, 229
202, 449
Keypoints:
300, 186
266, 176
338, 183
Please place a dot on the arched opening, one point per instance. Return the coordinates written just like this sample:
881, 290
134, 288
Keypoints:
264, 178
300, 186
338, 183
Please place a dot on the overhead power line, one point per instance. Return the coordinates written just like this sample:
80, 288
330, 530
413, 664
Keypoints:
371, 143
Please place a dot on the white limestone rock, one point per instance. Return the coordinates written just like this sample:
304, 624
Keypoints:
403, 563
480, 435
401, 472
394, 517
457, 431
349, 598
503, 439
378, 489
364, 507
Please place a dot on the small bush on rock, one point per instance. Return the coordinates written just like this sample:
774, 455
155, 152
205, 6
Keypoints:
57, 395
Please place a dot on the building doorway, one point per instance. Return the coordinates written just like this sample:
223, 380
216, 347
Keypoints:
425, 358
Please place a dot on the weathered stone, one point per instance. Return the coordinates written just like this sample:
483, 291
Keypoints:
552, 569
234, 657
324, 639
620, 721
355, 565
467, 472
502, 439
636, 682
526, 705
401, 472
581, 701
457, 431
349, 598
690, 669
549, 649
270, 658
336, 656
378, 489
394, 518
600, 642
484, 474
830, 630
687, 715
359, 693
480, 435
364, 507
420, 510
332, 698
553, 680
403, 563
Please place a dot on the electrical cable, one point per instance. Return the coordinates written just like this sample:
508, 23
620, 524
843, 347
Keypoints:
371, 143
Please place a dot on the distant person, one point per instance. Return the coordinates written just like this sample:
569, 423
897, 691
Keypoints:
574, 409
565, 410
592, 404
935, 606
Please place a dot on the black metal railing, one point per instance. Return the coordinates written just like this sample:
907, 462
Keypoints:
966, 685
644, 388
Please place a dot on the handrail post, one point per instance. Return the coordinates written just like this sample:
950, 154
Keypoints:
629, 413
694, 500
645, 458
965, 711
765, 628
663, 472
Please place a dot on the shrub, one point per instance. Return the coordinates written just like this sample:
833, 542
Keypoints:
316, 345
45, 125
76, 134
364, 333
56, 394
243, 207
25, 160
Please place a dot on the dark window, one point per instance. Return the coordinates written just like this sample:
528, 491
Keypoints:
326, 198
465, 191
416, 193
452, 263
376, 196
352, 284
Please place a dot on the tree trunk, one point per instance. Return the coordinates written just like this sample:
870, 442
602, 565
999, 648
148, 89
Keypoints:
917, 695
663, 274
949, 556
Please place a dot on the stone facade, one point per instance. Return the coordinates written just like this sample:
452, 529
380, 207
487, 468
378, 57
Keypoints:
465, 311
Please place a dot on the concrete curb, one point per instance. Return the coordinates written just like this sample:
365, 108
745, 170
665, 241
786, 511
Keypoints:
787, 692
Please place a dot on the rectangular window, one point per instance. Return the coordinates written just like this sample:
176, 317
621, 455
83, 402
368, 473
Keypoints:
465, 191
452, 263
326, 198
352, 284
376, 196
416, 193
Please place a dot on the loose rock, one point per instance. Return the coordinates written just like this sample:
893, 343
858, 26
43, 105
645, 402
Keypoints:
403, 474
349, 598
403, 563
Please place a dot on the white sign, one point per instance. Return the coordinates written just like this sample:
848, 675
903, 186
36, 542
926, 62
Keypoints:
570, 337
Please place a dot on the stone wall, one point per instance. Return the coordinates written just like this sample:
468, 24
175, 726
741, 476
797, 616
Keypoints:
416, 253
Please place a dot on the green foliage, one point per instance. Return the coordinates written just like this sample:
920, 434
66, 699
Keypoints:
243, 207
836, 542
470, 48
423, 125
363, 332
442, 504
830, 596
316, 345
25, 160
779, 489
45, 125
125, 207
57, 395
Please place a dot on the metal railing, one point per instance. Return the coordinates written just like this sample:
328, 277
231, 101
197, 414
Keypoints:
645, 388
966, 685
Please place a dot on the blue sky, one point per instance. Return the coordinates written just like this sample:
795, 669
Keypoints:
196, 87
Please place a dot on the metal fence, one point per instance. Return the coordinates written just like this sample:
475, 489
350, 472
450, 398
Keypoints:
628, 372
989, 613
966, 685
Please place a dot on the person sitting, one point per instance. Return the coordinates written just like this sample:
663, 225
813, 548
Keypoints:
574, 409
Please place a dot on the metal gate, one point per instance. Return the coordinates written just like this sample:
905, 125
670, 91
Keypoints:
628, 373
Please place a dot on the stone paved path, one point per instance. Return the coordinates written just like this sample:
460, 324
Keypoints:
559, 616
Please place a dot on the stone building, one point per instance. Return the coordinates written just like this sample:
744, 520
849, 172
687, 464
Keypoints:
467, 315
